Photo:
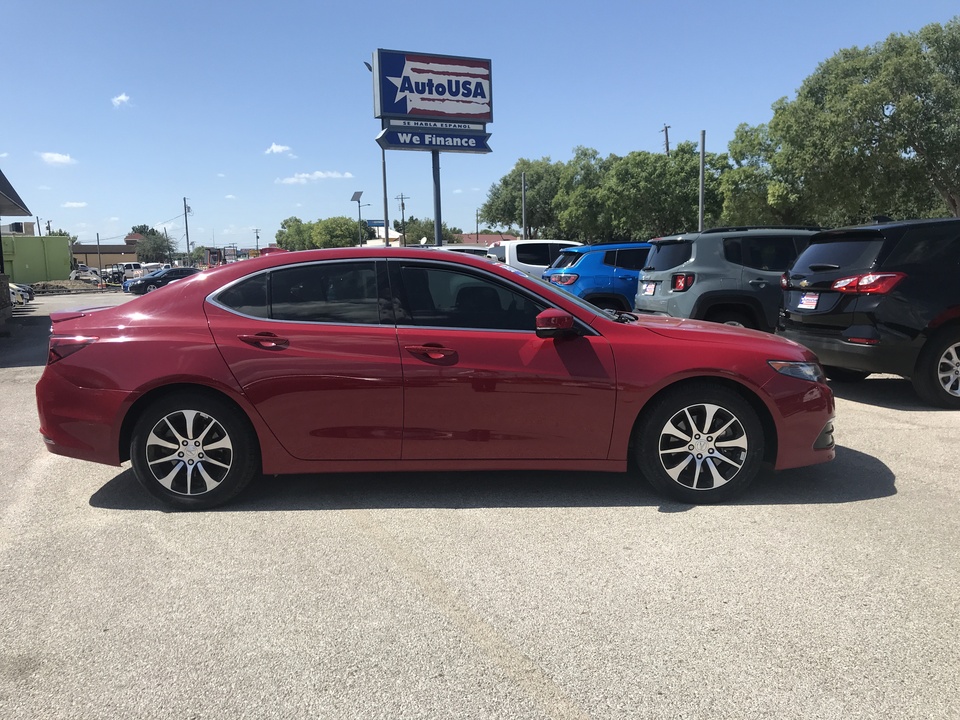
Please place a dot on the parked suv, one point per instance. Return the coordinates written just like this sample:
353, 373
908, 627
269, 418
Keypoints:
729, 275
605, 274
881, 298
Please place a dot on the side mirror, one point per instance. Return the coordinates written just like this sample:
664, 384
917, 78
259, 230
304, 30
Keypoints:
553, 323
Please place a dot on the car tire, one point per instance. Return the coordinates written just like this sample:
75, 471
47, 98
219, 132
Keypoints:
194, 451
733, 317
151, 287
936, 377
679, 454
844, 375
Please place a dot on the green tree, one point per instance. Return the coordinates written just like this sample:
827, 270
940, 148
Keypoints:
338, 232
874, 130
650, 194
63, 233
761, 189
504, 205
294, 234
578, 204
417, 229
155, 248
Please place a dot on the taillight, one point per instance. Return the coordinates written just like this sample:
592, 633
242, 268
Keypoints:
62, 346
564, 278
682, 282
871, 283
784, 281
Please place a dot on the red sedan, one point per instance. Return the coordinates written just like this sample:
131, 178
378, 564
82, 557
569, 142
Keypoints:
372, 359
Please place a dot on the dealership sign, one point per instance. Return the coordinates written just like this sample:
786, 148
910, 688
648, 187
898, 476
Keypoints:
442, 140
416, 86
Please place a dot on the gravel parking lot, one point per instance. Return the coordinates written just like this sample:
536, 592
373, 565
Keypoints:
825, 592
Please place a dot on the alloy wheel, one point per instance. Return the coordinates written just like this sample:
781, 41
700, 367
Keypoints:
948, 370
189, 452
703, 446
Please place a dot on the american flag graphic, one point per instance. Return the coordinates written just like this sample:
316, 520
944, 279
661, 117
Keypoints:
441, 87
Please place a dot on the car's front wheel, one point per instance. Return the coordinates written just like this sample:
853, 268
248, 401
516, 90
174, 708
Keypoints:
151, 287
937, 375
194, 451
700, 443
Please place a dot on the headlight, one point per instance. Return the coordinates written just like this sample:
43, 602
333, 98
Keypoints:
800, 370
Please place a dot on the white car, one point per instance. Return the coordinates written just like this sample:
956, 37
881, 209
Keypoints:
531, 256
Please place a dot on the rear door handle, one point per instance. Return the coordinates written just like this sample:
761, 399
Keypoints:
759, 281
265, 340
434, 352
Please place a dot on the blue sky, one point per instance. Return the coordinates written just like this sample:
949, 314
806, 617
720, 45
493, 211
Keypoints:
116, 111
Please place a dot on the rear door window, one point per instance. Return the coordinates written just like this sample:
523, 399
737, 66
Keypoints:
566, 259
533, 253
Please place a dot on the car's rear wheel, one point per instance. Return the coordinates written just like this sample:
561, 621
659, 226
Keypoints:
844, 375
194, 451
700, 443
937, 375
607, 304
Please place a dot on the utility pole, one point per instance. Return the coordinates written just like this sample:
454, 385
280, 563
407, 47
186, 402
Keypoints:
666, 139
257, 232
478, 226
186, 211
523, 203
403, 218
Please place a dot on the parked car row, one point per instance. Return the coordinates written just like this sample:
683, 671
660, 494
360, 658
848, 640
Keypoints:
20, 294
157, 279
880, 298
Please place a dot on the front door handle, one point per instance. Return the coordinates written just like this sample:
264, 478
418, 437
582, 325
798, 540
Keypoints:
265, 340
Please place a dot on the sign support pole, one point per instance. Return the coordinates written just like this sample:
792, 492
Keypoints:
437, 223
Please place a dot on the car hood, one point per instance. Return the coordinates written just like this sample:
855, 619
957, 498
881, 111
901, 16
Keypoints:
701, 331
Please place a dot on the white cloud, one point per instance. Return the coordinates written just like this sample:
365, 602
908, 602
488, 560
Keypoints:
74, 205
121, 99
44, 187
3, 155
51, 158
458, 192
220, 175
304, 178
275, 149
114, 219
230, 197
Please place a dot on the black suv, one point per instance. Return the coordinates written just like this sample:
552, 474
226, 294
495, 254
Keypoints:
881, 298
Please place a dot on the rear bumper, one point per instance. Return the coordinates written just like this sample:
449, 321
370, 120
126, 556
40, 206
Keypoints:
73, 420
891, 354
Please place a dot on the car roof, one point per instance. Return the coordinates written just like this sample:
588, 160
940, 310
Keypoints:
631, 245
740, 230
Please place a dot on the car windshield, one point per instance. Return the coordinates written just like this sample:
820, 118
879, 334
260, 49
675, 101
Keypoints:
668, 254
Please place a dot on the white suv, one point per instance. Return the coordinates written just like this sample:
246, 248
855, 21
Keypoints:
531, 256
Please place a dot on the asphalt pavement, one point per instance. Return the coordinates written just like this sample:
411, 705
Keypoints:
824, 592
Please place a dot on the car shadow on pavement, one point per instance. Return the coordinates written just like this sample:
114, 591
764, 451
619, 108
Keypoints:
886, 391
852, 477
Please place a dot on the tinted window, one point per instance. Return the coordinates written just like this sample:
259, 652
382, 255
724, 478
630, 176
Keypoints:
533, 253
566, 259
767, 253
630, 259
853, 253
248, 297
448, 298
927, 245
667, 255
326, 292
